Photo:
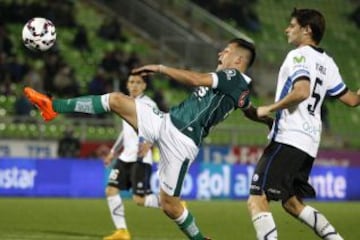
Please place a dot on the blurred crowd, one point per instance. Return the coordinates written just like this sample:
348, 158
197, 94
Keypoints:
48, 71
242, 12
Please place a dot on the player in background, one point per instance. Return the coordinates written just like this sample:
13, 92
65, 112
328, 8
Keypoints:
132, 168
179, 133
306, 76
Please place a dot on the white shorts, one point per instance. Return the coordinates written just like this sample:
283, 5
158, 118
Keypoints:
177, 151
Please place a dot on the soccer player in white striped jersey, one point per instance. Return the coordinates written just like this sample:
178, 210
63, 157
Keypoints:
306, 76
132, 169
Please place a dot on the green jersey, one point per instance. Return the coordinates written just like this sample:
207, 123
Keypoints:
206, 107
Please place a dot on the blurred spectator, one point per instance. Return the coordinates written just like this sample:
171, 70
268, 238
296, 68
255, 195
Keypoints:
4, 76
53, 62
111, 62
111, 29
22, 108
80, 40
6, 45
355, 16
65, 83
100, 84
242, 12
69, 145
101, 151
133, 61
33, 78
16, 69
59, 11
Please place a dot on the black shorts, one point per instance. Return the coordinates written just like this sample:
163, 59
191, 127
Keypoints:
131, 175
282, 172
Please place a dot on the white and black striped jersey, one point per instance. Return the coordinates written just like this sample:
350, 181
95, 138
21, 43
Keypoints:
300, 126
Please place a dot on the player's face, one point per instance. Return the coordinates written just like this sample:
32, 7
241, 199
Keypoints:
136, 86
228, 57
294, 32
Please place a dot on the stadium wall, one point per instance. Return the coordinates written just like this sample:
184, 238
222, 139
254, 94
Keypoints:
208, 153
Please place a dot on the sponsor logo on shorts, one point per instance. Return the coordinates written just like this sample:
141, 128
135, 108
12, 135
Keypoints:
274, 191
114, 174
255, 178
168, 186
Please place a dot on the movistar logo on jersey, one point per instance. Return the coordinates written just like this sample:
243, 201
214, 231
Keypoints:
230, 73
299, 59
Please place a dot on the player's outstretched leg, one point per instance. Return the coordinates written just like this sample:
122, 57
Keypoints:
116, 102
311, 217
42, 102
262, 218
318, 222
117, 213
175, 210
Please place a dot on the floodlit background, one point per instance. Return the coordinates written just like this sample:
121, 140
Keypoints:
45, 194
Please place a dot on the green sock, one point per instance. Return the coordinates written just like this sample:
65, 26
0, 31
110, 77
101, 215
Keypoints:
190, 229
86, 104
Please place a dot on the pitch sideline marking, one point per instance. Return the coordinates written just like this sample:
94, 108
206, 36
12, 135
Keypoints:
49, 237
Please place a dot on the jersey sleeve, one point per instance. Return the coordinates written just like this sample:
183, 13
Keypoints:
298, 65
336, 87
231, 82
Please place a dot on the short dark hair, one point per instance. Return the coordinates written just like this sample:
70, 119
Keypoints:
314, 19
145, 78
247, 45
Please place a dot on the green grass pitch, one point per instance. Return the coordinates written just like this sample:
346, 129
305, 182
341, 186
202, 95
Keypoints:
88, 219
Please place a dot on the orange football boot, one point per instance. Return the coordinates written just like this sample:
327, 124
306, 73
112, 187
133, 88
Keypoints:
120, 234
42, 102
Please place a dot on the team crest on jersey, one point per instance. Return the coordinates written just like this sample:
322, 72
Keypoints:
299, 59
242, 97
230, 73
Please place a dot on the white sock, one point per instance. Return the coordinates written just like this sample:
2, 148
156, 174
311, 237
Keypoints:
186, 223
152, 200
265, 227
182, 217
314, 219
117, 211
105, 102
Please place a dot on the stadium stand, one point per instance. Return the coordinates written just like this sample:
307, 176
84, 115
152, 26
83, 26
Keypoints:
269, 39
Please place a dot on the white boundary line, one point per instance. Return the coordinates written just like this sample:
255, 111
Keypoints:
33, 236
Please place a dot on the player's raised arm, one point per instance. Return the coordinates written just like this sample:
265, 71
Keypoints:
251, 113
114, 151
351, 98
186, 77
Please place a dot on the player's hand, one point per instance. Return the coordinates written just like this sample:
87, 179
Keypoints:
108, 159
146, 70
144, 147
263, 111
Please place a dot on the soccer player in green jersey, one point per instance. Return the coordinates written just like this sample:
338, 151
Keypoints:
180, 132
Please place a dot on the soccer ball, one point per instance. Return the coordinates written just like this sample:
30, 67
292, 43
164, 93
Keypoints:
39, 34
